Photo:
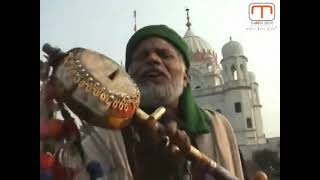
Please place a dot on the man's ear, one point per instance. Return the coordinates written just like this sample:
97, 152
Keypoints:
185, 79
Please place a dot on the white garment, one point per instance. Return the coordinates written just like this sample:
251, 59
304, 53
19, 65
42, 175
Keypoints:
107, 147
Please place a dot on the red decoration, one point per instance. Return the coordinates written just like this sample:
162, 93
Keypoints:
71, 127
49, 91
60, 172
116, 112
117, 118
44, 129
52, 89
51, 128
46, 161
55, 128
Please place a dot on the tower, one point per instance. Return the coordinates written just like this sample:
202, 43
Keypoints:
256, 108
241, 98
234, 62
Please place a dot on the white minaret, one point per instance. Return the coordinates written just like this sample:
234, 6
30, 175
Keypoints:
256, 108
238, 93
234, 62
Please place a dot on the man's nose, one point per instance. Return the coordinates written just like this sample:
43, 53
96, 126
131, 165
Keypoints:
153, 58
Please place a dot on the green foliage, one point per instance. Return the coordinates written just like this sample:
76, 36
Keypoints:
268, 161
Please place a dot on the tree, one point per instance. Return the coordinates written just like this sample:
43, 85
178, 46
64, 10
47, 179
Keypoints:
268, 161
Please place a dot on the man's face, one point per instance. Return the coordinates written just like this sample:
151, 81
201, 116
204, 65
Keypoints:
157, 68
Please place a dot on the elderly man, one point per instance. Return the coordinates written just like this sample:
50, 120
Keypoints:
157, 58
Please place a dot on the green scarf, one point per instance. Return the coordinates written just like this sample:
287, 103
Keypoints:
195, 120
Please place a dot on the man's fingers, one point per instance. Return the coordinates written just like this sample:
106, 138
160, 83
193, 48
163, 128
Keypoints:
171, 127
183, 141
179, 138
174, 149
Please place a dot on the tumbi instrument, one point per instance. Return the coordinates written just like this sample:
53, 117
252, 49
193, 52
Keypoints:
100, 92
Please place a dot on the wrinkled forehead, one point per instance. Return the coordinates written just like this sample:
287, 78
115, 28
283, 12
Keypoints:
153, 43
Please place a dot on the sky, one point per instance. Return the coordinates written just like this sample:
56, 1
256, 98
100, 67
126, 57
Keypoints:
106, 26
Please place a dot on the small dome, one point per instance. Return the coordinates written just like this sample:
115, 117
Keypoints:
232, 48
196, 43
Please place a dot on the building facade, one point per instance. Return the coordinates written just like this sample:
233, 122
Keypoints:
227, 87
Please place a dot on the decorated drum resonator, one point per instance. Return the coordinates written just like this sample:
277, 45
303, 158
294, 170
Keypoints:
96, 88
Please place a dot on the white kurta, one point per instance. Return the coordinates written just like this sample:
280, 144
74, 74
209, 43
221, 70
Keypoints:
107, 147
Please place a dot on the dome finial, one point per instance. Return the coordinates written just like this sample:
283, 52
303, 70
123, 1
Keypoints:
230, 38
188, 23
135, 20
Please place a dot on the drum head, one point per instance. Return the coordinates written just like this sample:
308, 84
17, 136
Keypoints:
98, 89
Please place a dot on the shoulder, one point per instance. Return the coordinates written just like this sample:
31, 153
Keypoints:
226, 141
216, 116
217, 119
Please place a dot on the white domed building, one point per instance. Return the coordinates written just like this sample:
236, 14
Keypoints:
228, 87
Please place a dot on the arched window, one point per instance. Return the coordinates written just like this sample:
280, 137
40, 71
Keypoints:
242, 67
249, 123
254, 96
217, 81
243, 70
234, 72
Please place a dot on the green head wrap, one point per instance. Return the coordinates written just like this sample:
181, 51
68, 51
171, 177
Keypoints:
195, 120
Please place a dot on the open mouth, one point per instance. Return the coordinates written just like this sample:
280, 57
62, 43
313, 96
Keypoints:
154, 74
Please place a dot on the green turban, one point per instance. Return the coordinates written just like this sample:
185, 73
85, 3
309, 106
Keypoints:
194, 119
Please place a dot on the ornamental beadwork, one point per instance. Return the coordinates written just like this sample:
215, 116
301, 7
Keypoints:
83, 79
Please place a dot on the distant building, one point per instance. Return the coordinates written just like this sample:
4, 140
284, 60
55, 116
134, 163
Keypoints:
228, 87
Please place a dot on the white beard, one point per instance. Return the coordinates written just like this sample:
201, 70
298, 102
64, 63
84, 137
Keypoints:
155, 95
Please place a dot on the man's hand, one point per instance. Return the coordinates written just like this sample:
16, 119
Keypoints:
173, 155
166, 159
179, 140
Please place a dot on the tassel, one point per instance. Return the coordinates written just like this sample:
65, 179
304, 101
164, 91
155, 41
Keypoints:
46, 161
71, 131
46, 174
95, 170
